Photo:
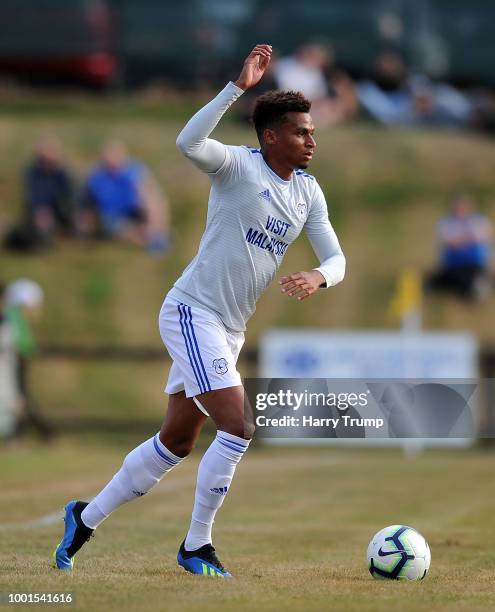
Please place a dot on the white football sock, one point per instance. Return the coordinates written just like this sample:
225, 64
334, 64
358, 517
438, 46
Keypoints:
141, 470
214, 477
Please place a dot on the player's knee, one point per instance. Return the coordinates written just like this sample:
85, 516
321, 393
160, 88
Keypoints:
240, 427
182, 449
179, 446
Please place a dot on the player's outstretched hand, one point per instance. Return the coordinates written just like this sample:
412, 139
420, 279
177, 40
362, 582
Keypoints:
254, 66
302, 284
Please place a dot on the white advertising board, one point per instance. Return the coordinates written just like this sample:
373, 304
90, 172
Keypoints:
289, 353
320, 353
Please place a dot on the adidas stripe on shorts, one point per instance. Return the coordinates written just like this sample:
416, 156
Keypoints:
204, 353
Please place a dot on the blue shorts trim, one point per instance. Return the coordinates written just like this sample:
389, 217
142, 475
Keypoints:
197, 348
184, 329
192, 347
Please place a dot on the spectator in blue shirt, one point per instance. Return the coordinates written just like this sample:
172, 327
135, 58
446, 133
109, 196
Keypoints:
465, 238
122, 200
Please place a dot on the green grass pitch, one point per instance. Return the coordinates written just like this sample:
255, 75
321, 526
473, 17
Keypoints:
293, 530
295, 527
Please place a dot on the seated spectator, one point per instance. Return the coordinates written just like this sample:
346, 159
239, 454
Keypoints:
393, 97
439, 104
386, 97
48, 199
121, 199
465, 244
311, 71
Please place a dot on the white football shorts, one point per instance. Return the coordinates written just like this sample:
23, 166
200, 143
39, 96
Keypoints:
204, 353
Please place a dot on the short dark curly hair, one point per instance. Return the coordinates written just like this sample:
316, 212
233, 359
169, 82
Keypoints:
271, 108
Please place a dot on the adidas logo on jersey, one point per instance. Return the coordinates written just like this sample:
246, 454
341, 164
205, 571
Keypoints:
264, 194
219, 490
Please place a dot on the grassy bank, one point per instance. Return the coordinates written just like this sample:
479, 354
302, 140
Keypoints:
385, 191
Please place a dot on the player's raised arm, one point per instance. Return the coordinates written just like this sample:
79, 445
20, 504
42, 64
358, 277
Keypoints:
254, 67
208, 154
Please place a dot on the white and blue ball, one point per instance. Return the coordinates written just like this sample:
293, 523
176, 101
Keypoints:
398, 552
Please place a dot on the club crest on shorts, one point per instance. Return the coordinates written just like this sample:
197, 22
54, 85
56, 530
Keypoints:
302, 210
221, 366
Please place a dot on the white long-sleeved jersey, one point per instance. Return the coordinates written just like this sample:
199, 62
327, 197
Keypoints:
253, 216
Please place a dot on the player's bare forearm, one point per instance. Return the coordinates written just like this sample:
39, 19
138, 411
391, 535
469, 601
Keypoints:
254, 67
302, 284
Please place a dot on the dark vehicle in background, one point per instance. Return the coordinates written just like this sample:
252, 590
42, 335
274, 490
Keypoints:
130, 43
60, 41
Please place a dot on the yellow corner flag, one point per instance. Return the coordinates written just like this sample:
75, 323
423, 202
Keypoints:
406, 301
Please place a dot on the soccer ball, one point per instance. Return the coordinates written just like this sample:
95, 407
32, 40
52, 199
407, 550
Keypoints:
398, 552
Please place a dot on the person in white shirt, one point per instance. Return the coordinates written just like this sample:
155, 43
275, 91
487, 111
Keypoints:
313, 72
260, 200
